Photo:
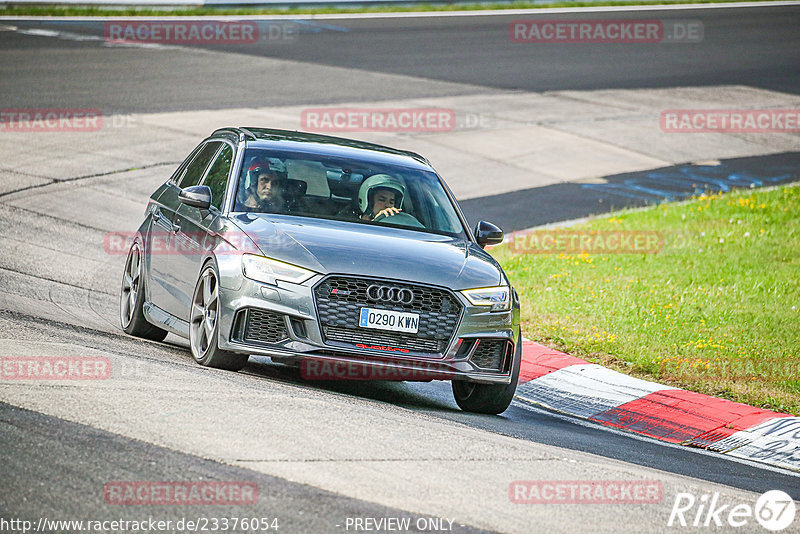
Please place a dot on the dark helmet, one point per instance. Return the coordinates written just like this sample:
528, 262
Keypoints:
260, 165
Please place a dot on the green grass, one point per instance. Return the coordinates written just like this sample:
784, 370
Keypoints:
717, 310
311, 9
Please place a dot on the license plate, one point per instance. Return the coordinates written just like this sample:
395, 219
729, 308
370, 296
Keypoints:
393, 321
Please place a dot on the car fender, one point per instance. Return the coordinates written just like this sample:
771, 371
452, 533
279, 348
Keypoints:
229, 245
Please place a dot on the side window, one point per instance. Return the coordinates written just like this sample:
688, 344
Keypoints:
176, 176
217, 177
194, 171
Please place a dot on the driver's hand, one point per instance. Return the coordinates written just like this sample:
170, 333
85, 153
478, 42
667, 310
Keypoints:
387, 212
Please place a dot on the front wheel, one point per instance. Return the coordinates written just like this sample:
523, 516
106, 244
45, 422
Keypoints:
204, 325
488, 398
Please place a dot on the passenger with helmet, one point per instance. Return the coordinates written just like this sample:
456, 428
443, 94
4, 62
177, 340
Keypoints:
265, 192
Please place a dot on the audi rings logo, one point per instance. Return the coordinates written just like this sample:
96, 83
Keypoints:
390, 294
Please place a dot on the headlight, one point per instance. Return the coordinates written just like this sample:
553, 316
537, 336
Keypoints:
269, 271
499, 298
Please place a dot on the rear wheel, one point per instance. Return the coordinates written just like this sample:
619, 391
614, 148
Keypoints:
488, 398
131, 299
204, 325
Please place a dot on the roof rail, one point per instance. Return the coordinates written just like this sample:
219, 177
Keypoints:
248, 133
239, 133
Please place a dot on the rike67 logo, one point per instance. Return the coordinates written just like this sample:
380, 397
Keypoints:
774, 510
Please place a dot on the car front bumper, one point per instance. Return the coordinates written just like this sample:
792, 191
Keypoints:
301, 341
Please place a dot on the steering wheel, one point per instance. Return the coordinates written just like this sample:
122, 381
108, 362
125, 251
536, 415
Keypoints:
402, 219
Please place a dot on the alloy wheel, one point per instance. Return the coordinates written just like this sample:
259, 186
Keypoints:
130, 285
205, 307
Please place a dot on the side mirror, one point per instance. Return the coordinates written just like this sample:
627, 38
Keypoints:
198, 196
488, 234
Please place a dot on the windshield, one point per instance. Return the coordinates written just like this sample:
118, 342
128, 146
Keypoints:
308, 185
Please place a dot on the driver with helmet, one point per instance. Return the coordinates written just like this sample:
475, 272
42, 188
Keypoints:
380, 198
380, 195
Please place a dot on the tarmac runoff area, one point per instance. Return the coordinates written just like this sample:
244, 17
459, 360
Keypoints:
488, 144
55, 269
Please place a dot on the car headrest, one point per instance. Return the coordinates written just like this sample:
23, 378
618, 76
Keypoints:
343, 184
296, 188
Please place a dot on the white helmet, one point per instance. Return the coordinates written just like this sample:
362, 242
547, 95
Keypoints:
380, 181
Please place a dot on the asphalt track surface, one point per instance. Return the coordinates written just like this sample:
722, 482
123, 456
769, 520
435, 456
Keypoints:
74, 460
755, 46
53, 466
38, 447
569, 201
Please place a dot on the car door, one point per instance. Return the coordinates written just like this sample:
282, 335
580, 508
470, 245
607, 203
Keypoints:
163, 290
194, 232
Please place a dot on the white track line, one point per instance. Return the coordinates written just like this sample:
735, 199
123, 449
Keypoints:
432, 14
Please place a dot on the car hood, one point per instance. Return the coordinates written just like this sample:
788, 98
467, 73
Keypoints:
344, 247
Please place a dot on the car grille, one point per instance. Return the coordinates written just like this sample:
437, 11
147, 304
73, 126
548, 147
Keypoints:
339, 300
264, 327
415, 344
490, 354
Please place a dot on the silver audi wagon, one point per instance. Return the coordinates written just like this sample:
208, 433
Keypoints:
348, 259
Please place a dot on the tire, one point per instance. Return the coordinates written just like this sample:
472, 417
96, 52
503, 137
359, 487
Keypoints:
204, 325
488, 398
131, 299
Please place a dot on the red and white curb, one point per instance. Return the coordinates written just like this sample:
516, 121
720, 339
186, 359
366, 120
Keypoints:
573, 386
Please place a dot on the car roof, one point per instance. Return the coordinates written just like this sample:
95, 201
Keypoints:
325, 145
